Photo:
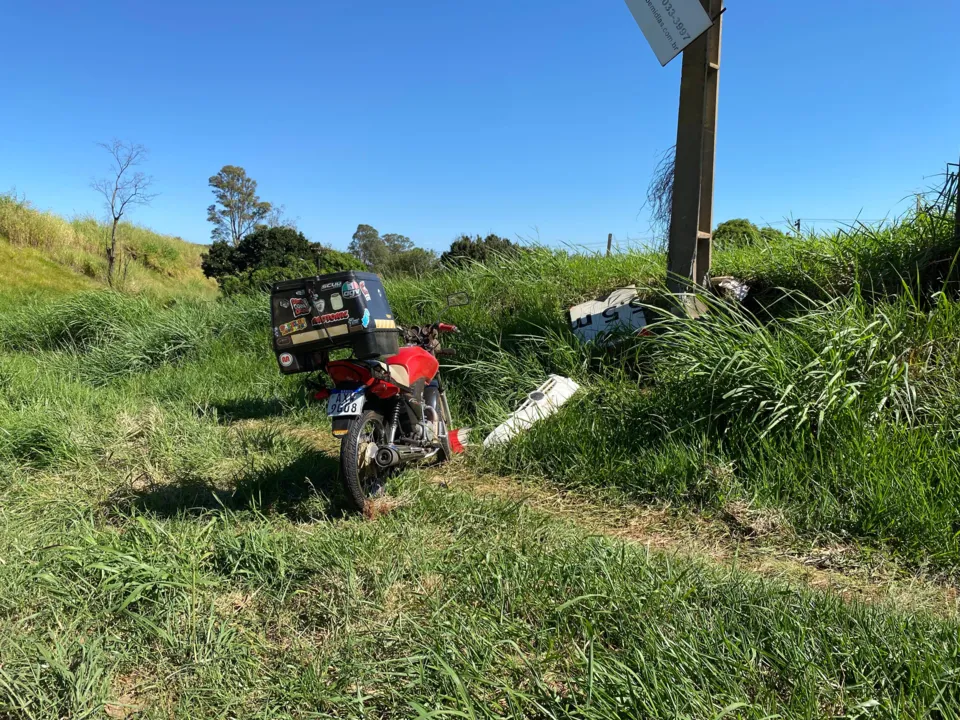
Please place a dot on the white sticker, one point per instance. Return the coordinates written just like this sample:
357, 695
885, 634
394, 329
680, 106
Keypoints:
286, 359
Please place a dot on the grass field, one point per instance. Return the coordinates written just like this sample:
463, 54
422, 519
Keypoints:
42, 252
835, 403
173, 540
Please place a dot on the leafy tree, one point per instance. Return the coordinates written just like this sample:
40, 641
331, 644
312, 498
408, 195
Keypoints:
466, 248
329, 260
261, 279
219, 261
271, 247
268, 255
397, 244
391, 253
238, 209
415, 261
368, 246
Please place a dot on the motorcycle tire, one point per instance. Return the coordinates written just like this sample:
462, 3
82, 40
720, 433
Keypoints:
362, 478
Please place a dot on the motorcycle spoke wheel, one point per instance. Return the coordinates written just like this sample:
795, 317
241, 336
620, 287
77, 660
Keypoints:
363, 479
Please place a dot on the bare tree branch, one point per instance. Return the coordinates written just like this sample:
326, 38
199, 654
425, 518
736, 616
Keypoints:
122, 190
660, 194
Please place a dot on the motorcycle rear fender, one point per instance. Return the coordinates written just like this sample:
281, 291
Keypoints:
341, 426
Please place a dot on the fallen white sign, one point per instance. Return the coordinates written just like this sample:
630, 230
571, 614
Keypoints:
621, 311
541, 403
669, 25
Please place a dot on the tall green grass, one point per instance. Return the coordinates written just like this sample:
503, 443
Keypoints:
918, 248
158, 556
168, 544
838, 405
844, 416
158, 263
839, 411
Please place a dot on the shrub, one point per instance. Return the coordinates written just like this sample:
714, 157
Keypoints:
270, 254
466, 248
739, 233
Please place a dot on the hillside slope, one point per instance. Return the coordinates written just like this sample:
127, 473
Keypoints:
42, 252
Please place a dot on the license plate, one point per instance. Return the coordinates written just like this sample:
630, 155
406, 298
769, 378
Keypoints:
345, 402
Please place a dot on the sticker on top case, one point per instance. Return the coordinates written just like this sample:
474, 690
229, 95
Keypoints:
293, 326
299, 306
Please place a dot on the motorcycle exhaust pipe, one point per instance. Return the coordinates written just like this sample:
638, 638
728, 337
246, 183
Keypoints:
387, 457
392, 455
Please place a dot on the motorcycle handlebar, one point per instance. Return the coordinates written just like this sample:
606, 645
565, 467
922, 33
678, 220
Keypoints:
446, 327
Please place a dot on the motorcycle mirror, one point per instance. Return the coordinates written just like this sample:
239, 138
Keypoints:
458, 299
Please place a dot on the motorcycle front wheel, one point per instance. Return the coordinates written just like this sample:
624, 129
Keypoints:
363, 479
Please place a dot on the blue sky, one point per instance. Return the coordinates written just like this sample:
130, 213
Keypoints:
540, 119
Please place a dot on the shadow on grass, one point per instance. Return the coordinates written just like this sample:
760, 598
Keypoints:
255, 408
249, 409
306, 489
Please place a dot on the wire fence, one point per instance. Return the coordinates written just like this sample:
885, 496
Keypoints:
939, 199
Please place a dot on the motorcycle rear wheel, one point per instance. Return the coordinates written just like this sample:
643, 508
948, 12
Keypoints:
362, 478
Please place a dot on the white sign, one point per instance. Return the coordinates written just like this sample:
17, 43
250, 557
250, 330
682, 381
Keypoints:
541, 403
621, 311
669, 25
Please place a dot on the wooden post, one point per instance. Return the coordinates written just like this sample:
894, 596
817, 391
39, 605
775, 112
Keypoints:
609, 243
691, 221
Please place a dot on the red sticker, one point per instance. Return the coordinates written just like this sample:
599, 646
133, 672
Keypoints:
331, 317
299, 306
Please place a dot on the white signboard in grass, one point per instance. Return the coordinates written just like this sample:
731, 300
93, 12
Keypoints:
541, 403
620, 311
669, 25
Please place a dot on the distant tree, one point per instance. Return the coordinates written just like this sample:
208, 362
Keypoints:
238, 209
391, 253
122, 190
277, 217
735, 233
397, 244
740, 232
415, 261
270, 254
367, 246
466, 248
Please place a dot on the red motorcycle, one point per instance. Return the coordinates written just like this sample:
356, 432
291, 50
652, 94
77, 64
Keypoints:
391, 411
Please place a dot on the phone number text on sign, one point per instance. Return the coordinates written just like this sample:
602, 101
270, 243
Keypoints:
669, 25
672, 14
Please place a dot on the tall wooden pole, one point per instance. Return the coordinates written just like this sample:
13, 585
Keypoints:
691, 221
